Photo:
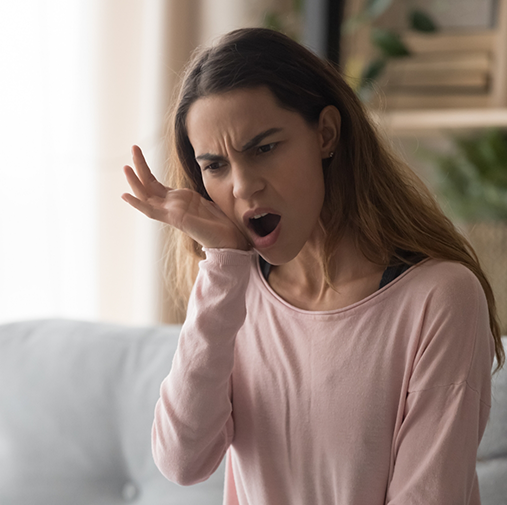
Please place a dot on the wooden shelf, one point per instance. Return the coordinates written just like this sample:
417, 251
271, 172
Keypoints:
428, 122
455, 79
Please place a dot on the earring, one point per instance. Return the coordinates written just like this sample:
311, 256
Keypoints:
331, 154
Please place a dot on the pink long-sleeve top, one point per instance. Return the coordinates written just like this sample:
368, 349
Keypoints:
381, 402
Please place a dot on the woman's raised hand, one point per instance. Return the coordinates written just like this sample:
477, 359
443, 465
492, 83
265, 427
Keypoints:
184, 209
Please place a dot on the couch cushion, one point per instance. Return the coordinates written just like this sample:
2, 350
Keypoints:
77, 402
492, 453
494, 442
493, 481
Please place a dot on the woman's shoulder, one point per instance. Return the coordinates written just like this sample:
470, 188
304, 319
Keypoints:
455, 337
445, 277
442, 288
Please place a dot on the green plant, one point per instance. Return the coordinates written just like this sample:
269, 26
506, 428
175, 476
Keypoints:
389, 44
473, 179
288, 20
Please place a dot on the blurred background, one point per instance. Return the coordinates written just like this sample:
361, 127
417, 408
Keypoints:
84, 80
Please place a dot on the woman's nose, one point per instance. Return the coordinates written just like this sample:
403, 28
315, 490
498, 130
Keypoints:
246, 182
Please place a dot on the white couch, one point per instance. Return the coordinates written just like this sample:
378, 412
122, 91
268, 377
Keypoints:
76, 407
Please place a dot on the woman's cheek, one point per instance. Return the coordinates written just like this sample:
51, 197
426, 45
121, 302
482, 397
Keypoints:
218, 196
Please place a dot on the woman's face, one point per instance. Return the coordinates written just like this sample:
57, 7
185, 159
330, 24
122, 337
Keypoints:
262, 165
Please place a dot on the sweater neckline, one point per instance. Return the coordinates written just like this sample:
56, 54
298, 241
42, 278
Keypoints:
379, 293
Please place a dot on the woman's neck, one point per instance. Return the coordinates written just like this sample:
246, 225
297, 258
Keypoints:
302, 282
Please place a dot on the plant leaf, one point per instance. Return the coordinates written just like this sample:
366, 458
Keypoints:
298, 6
421, 22
368, 76
272, 21
373, 70
389, 43
474, 178
355, 22
377, 7
488, 155
495, 158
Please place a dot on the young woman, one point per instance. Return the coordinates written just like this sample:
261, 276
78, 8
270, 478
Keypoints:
340, 333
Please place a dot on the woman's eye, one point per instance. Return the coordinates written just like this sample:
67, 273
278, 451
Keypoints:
216, 165
266, 148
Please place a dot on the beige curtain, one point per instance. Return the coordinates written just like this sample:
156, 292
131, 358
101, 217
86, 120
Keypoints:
130, 97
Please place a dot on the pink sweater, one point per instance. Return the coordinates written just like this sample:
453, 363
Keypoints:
381, 402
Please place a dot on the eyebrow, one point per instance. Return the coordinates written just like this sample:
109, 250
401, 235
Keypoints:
255, 141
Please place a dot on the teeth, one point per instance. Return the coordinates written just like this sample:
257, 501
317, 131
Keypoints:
260, 215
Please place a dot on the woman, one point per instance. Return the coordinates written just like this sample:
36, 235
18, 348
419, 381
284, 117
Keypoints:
340, 332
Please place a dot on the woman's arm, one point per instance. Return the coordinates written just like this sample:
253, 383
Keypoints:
448, 401
193, 419
193, 424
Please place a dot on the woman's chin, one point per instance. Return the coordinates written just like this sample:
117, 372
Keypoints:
278, 257
283, 249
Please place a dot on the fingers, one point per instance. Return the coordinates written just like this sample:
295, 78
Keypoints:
134, 182
141, 166
145, 174
151, 197
139, 205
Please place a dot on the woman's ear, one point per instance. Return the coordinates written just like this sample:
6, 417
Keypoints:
329, 130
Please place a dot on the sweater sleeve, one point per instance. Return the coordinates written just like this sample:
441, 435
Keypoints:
193, 424
448, 400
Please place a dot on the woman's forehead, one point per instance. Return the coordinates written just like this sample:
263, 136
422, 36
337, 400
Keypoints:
236, 117
234, 105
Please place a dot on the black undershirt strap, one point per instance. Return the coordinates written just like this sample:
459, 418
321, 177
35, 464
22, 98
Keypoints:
398, 267
390, 273
265, 267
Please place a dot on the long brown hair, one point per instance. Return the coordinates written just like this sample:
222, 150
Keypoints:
369, 189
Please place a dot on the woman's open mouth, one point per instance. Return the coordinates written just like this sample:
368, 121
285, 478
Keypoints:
264, 224
264, 228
